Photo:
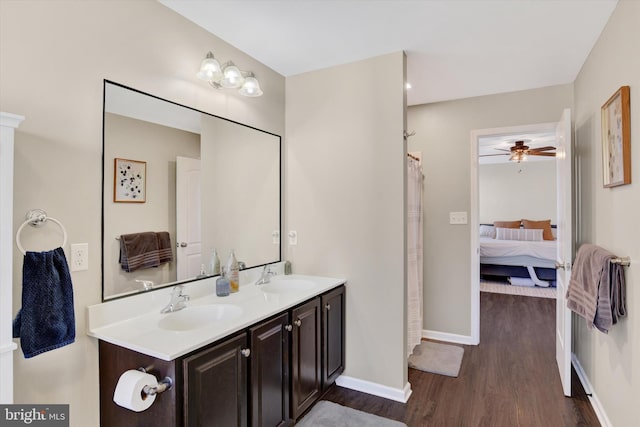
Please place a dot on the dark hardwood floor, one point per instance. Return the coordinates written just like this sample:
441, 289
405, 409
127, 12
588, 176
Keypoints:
510, 379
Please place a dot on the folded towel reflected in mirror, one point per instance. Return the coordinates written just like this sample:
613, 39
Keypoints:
145, 250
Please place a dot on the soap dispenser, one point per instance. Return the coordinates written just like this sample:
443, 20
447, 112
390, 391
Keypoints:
214, 263
234, 272
223, 287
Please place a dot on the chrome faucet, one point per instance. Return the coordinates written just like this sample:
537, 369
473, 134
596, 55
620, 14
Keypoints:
177, 302
147, 285
265, 277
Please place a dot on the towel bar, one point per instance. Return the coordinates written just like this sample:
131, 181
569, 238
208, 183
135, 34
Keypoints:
624, 261
37, 218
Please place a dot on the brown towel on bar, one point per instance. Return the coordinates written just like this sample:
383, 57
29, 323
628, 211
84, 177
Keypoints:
139, 250
593, 285
164, 247
144, 250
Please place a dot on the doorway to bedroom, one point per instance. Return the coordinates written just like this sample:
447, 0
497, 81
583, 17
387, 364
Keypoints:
517, 213
508, 216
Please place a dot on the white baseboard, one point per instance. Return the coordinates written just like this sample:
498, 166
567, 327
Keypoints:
446, 337
375, 389
593, 398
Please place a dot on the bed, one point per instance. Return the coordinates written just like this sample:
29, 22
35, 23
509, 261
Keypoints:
510, 258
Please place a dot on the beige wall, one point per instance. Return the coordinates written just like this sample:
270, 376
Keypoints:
609, 217
53, 58
345, 173
510, 191
443, 135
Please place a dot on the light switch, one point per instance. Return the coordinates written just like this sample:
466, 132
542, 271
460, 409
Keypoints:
457, 218
275, 237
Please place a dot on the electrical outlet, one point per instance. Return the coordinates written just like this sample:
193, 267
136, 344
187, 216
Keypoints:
293, 238
457, 218
79, 256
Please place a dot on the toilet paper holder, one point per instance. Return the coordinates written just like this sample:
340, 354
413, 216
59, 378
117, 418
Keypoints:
163, 385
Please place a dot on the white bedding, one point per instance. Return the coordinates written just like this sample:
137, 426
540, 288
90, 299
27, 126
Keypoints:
545, 249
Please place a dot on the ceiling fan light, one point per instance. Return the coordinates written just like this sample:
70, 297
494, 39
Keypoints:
251, 87
210, 69
232, 76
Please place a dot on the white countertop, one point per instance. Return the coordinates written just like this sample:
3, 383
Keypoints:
133, 322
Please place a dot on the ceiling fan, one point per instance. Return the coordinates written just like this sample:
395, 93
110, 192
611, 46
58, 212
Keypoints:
519, 151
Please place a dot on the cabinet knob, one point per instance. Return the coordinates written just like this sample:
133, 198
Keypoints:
328, 306
298, 322
183, 244
288, 328
246, 352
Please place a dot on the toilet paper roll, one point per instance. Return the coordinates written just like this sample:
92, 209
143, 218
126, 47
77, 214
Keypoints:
129, 392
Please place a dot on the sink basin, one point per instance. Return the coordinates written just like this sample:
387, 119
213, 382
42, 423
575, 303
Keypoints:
199, 316
287, 285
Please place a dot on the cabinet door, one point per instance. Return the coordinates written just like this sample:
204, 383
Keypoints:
215, 388
305, 358
333, 328
270, 373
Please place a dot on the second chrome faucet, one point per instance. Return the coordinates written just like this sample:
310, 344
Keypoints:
178, 300
265, 277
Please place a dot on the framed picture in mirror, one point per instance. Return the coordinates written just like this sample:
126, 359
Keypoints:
129, 181
616, 139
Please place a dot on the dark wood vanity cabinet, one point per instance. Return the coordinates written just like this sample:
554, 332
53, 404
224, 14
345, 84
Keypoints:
267, 375
305, 357
115, 360
215, 385
333, 335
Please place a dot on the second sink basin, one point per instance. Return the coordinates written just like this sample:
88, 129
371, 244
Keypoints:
199, 316
279, 285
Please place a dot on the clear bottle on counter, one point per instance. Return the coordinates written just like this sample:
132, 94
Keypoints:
233, 270
203, 272
223, 287
214, 263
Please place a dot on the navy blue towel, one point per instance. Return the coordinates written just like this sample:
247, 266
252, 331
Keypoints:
46, 320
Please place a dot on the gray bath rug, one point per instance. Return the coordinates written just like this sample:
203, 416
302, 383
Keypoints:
443, 359
329, 414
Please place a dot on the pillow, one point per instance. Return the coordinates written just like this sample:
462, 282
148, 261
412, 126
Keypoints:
506, 224
544, 225
530, 235
487, 231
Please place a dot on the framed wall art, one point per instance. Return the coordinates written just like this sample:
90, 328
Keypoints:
129, 181
616, 139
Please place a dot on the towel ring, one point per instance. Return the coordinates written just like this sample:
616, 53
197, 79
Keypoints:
37, 218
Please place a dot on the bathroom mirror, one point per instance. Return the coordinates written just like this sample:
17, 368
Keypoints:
206, 181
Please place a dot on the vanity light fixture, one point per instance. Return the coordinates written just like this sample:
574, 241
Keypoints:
228, 76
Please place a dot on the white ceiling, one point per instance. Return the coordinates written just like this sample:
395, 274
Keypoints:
455, 48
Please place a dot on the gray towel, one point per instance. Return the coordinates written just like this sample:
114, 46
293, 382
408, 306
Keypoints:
595, 286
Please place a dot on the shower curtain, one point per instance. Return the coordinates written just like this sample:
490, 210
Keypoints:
414, 253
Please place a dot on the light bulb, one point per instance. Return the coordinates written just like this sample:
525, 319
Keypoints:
251, 87
209, 69
232, 77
